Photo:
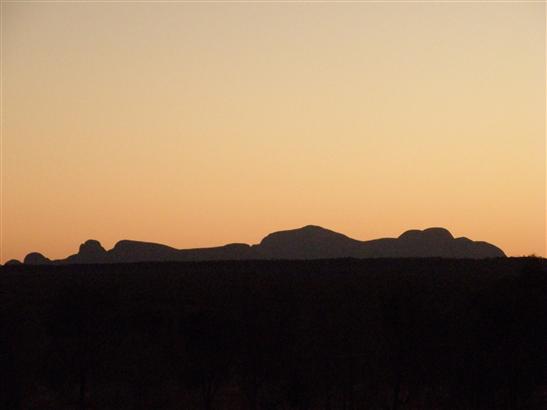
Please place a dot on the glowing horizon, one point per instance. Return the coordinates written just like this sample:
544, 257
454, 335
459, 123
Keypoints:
196, 125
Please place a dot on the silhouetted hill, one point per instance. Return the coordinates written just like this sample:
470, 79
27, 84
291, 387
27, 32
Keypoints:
432, 242
133, 251
309, 242
36, 258
90, 252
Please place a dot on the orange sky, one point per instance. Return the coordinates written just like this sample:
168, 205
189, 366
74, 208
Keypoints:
202, 124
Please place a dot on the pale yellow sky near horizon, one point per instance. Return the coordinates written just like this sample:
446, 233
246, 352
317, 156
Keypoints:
203, 124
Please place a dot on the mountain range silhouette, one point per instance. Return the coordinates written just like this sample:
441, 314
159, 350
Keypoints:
309, 242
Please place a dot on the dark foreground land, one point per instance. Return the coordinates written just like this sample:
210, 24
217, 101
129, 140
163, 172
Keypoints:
329, 334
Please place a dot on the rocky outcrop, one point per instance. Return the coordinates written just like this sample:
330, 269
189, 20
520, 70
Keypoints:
309, 242
36, 258
91, 251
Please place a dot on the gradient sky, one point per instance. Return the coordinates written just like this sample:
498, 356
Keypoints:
201, 124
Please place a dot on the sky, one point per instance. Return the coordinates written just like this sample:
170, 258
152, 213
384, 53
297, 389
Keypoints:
197, 125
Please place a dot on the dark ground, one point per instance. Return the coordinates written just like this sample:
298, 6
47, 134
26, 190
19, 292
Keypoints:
331, 334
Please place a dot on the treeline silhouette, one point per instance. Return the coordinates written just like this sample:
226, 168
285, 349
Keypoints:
327, 334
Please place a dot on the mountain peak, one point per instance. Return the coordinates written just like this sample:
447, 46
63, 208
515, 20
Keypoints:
135, 251
36, 258
91, 251
312, 228
438, 233
91, 247
435, 234
308, 242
